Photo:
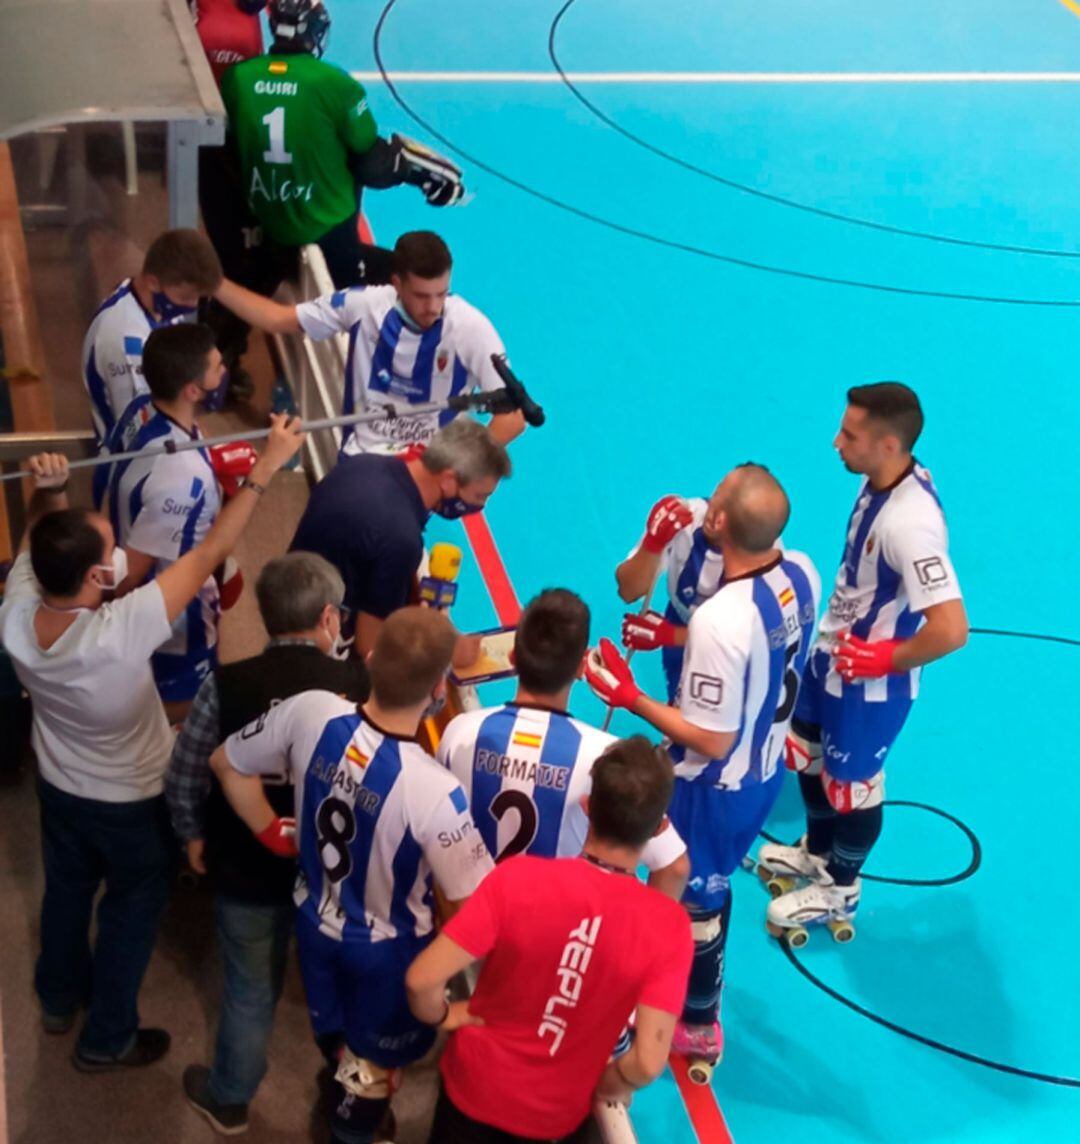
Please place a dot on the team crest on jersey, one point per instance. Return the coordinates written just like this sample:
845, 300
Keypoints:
442, 360
869, 546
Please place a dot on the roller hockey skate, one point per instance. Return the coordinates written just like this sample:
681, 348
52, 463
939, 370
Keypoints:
783, 868
702, 1045
820, 902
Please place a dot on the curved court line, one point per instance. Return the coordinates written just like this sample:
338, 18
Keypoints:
940, 1046
952, 879
779, 200
670, 244
1025, 636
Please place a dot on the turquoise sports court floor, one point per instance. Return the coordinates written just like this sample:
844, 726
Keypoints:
622, 282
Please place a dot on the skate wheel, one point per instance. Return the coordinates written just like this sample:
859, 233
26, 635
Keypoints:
842, 932
797, 937
778, 886
765, 874
700, 1072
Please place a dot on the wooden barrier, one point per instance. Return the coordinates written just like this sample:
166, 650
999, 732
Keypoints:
24, 357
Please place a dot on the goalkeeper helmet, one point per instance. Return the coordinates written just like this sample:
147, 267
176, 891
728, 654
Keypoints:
299, 25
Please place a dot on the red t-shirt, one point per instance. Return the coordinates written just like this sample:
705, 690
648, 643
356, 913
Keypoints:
230, 32
572, 949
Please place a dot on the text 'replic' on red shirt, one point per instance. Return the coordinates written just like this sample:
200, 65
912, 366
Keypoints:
571, 950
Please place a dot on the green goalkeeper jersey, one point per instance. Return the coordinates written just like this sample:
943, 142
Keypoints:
294, 121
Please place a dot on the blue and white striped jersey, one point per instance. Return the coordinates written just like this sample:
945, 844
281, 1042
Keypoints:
526, 770
163, 506
376, 818
112, 356
391, 360
694, 567
895, 565
744, 659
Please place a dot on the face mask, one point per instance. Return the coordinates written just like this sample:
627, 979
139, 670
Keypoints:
169, 310
117, 570
454, 508
213, 400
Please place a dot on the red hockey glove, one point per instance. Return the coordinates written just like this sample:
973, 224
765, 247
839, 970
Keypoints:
280, 837
609, 675
667, 518
647, 631
857, 659
232, 463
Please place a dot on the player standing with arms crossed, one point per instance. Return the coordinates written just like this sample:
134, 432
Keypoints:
896, 605
745, 654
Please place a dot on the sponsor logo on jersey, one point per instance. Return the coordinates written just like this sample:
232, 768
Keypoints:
525, 739
931, 572
573, 965
277, 191
707, 689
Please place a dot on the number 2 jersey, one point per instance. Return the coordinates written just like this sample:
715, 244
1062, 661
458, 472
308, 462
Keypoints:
896, 564
376, 818
745, 655
295, 121
525, 770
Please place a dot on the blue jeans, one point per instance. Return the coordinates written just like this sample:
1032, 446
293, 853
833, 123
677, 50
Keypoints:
129, 846
254, 942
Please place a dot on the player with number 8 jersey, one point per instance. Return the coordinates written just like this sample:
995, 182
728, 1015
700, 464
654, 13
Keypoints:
378, 821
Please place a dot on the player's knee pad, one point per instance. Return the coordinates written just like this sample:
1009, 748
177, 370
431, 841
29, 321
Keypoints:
863, 794
366, 1079
706, 928
802, 755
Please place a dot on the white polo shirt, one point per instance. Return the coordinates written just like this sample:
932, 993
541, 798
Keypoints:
99, 730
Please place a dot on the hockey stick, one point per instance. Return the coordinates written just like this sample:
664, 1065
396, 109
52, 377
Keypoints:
646, 604
509, 400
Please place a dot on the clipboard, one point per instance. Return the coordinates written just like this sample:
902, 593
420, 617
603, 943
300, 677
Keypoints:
493, 663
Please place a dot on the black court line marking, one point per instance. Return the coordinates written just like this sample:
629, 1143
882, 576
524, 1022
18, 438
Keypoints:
929, 1042
952, 879
778, 200
671, 244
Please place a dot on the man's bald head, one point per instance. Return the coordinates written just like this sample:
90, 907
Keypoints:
755, 507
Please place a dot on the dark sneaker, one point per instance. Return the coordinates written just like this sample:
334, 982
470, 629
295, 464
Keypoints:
56, 1023
150, 1046
228, 1119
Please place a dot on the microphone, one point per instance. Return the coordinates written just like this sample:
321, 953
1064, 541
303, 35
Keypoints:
438, 589
533, 413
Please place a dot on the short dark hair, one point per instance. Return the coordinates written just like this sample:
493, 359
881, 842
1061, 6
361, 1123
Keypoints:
551, 639
894, 405
184, 257
757, 508
174, 356
632, 783
421, 253
411, 654
293, 591
64, 546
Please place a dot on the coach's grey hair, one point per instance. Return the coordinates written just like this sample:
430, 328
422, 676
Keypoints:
469, 449
294, 589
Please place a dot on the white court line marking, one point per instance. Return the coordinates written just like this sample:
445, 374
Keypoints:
720, 78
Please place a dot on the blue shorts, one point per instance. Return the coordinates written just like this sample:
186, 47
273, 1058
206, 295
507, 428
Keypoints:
855, 734
177, 678
358, 988
719, 827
